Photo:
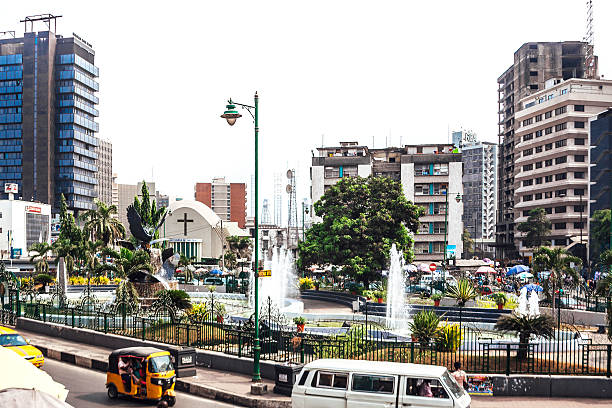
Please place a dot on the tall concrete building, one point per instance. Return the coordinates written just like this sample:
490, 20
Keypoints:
534, 64
47, 116
227, 200
552, 156
104, 176
601, 161
429, 175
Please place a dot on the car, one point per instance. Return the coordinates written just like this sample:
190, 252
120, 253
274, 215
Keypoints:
418, 289
213, 281
14, 341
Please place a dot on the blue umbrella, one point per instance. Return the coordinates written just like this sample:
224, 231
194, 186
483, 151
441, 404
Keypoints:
533, 286
216, 272
517, 269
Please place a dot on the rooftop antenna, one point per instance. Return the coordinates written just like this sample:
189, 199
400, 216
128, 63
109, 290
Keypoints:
589, 39
45, 18
7, 33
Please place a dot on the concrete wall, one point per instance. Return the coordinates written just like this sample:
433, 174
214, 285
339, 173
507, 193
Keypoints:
578, 317
552, 386
407, 172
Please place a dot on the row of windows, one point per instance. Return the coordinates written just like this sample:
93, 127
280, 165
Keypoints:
10, 134
10, 148
436, 169
430, 189
11, 59
432, 228
14, 102
10, 162
11, 68
10, 110
434, 209
75, 74
549, 178
11, 83
71, 173
86, 107
78, 134
435, 247
79, 90
559, 160
549, 146
78, 119
79, 61
549, 194
11, 75
10, 176
10, 118
547, 115
77, 163
11, 89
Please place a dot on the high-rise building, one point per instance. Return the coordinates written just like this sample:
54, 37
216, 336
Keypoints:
104, 176
480, 193
227, 200
601, 161
534, 64
47, 116
429, 175
552, 156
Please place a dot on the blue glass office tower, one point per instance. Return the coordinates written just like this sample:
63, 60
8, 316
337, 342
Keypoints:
47, 118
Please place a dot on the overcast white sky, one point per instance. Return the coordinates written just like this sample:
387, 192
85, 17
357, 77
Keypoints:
333, 70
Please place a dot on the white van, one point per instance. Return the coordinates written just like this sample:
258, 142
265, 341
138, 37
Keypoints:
335, 383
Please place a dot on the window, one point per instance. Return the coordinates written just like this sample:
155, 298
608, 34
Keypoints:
439, 208
528, 167
439, 189
438, 228
579, 125
579, 208
559, 225
548, 115
538, 118
579, 225
579, 142
332, 380
561, 110
528, 197
560, 176
579, 158
373, 383
527, 121
560, 209
440, 169
560, 127
579, 191
561, 143
538, 196
564, 91
548, 130
303, 377
421, 169
539, 165
579, 174
533, 87
560, 241
548, 194
533, 59
538, 149
527, 183
533, 73
538, 180
579, 108
548, 179
548, 162
438, 247
421, 189
548, 210
561, 160
527, 137
414, 387
527, 152
533, 46
538, 133
561, 193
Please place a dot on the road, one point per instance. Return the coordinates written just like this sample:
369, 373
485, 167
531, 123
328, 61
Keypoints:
87, 389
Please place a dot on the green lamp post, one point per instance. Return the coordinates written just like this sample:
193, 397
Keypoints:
231, 114
444, 262
304, 213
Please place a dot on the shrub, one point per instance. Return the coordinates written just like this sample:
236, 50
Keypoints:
436, 296
424, 326
299, 320
499, 298
43, 279
379, 294
180, 298
306, 283
449, 337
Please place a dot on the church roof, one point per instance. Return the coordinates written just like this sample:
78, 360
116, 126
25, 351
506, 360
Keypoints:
205, 211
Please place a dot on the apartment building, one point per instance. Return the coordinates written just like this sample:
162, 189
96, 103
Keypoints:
534, 64
227, 200
429, 175
104, 176
552, 156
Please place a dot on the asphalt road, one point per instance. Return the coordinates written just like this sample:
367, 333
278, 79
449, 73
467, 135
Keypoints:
87, 389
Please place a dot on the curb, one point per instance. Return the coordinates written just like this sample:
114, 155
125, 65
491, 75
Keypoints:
181, 385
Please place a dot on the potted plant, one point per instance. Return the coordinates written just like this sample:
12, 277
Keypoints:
300, 323
436, 297
316, 285
501, 299
379, 295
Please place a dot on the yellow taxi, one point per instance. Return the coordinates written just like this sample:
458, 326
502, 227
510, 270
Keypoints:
12, 340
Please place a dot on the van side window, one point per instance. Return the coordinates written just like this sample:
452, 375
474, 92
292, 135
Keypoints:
303, 377
373, 383
425, 387
332, 380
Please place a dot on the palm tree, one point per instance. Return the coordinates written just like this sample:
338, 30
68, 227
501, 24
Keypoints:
424, 326
125, 262
68, 250
558, 261
39, 254
525, 326
463, 292
101, 225
604, 286
185, 262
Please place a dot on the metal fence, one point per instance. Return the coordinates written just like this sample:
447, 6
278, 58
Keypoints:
568, 353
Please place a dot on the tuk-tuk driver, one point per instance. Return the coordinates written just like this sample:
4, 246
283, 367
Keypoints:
125, 370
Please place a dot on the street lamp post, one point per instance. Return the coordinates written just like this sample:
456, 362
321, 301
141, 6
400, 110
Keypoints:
304, 211
231, 114
444, 262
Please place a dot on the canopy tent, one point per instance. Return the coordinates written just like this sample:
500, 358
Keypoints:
533, 286
411, 268
216, 272
485, 269
524, 275
517, 269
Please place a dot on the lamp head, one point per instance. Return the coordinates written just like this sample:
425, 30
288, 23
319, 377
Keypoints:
458, 198
231, 114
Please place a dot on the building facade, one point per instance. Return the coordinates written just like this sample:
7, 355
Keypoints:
125, 194
552, 156
23, 223
227, 200
104, 176
47, 118
534, 64
427, 174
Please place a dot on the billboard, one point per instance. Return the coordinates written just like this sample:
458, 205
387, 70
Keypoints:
11, 188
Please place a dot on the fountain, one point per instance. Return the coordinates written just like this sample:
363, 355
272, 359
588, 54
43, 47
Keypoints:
61, 278
534, 307
521, 309
396, 292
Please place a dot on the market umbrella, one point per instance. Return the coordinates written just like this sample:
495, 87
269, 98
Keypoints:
533, 286
487, 261
517, 269
524, 275
485, 269
424, 267
411, 268
216, 272
18, 372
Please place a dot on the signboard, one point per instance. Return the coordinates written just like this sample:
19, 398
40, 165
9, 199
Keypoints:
432, 267
15, 252
11, 188
33, 209
265, 273
480, 385
451, 250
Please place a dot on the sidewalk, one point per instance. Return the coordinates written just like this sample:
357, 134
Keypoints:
223, 386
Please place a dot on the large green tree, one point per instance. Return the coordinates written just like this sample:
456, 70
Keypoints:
150, 215
362, 218
600, 233
102, 225
39, 255
537, 229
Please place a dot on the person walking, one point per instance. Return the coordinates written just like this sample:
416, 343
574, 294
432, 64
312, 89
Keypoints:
460, 376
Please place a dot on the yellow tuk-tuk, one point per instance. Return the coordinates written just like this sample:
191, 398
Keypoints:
144, 373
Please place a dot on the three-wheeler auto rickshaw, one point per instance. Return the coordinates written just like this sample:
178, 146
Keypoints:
144, 373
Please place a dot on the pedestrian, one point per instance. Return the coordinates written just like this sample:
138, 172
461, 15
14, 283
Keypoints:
460, 376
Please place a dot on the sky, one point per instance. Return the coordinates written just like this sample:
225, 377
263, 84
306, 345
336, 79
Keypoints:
377, 72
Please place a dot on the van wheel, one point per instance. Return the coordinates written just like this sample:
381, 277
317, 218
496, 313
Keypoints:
112, 391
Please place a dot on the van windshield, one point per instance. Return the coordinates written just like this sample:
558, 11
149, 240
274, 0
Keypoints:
452, 385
